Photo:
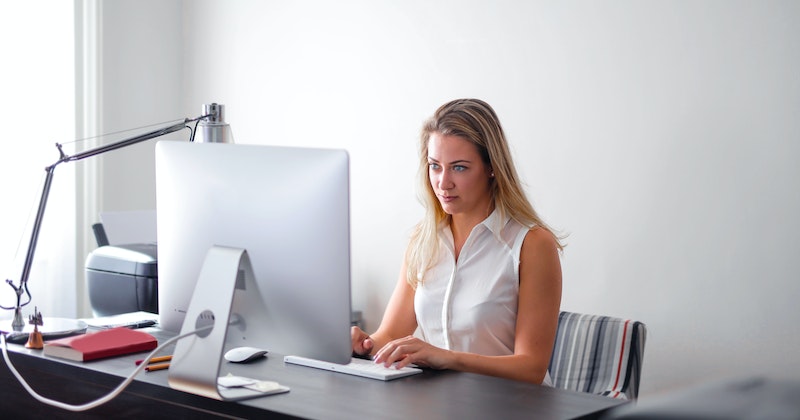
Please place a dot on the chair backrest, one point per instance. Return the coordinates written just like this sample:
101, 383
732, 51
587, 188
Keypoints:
598, 354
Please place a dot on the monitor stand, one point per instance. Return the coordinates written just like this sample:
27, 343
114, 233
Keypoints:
225, 299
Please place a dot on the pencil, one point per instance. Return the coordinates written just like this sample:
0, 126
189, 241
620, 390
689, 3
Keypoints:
156, 360
158, 366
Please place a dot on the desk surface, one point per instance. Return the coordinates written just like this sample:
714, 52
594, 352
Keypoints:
314, 393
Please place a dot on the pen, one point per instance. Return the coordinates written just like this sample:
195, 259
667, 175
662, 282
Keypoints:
158, 366
156, 360
142, 324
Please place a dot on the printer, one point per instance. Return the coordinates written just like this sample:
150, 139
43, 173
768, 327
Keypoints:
123, 278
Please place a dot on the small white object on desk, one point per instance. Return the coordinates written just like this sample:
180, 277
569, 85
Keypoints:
267, 387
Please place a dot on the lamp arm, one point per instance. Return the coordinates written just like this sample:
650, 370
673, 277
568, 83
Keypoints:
37, 224
123, 143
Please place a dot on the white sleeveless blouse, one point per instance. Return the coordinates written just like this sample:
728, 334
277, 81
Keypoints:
470, 305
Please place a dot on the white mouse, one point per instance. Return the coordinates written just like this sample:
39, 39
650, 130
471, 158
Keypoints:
244, 354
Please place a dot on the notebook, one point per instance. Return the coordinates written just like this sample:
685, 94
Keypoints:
139, 319
98, 345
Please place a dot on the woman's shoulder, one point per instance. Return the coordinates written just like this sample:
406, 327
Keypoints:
539, 239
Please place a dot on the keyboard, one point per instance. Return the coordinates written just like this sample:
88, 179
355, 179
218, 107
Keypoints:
357, 367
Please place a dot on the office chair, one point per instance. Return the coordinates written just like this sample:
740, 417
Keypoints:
598, 354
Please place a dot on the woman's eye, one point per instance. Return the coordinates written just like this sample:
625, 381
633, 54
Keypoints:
459, 168
434, 166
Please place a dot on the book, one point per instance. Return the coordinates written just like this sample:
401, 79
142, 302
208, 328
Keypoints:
101, 344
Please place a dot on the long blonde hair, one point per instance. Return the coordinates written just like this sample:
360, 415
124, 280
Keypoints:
475, 121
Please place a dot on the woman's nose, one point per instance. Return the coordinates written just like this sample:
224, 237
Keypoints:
445, 183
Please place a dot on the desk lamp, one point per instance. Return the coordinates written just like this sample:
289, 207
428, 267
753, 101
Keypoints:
213, 129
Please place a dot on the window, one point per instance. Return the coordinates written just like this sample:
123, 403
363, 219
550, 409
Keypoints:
37, 81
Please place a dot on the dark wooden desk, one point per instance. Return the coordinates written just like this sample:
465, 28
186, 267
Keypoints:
315, 393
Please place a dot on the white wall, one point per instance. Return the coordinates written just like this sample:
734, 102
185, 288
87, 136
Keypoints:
141, 85
662, 136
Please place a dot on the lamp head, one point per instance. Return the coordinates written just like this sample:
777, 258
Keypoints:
213, 128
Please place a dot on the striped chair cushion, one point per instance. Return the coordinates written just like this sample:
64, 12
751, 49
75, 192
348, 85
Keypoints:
598, 354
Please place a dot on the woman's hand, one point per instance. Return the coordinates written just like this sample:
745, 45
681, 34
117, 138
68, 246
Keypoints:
410, 349
362, 343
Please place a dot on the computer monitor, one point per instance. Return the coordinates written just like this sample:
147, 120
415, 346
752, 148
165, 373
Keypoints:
288, 208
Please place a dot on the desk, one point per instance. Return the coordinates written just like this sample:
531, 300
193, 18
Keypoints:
315, 393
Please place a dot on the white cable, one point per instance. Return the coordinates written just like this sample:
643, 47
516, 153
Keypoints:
100, 401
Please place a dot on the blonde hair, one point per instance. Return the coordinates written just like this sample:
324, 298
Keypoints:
475, 121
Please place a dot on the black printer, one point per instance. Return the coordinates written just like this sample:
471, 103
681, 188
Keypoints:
123, 278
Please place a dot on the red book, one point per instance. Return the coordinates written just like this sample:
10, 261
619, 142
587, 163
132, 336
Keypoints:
106, 343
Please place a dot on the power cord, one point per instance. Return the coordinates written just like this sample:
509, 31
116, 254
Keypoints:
100, 401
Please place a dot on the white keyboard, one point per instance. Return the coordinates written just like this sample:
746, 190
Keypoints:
358, 367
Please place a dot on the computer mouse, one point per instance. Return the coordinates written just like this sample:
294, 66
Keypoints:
244, 354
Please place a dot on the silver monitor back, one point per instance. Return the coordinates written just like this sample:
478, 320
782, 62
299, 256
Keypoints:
289, 208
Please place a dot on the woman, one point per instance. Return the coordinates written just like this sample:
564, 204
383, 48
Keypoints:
481, 277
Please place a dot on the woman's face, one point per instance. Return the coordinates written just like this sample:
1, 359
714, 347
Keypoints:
458, 176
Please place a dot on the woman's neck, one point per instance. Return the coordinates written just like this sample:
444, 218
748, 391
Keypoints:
461, 226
